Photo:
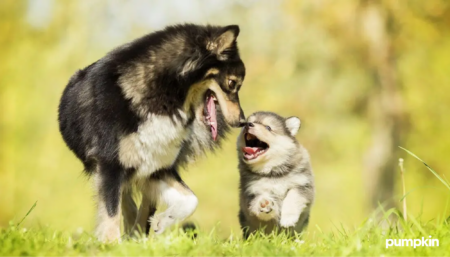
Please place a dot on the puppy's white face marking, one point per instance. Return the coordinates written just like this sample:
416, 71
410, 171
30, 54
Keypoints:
280, 145
277, 154
155, 145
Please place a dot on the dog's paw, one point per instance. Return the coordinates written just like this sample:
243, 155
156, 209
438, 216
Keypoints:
160, 222
264, 209
288, 220
265, 206
108, 233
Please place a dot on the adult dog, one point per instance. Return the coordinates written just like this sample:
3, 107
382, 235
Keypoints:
146, 108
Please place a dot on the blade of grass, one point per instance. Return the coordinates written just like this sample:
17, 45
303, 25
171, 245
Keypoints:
402, 171
417, 224
407, 193
428, 167
412, 190
445, 210
26, 215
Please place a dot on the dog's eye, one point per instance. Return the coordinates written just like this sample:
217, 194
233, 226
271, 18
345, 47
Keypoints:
268, 128
231, 84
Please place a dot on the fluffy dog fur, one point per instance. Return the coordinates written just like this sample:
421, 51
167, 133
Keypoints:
138, 113
276, 181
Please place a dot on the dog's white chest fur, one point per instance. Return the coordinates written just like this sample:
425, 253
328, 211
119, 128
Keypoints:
155, 145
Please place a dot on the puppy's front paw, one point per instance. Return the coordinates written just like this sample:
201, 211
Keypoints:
264, 209
160, 222
265, 206
288, 220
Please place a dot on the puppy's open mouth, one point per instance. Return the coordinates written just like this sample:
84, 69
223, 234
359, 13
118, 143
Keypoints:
253, 147
210, 112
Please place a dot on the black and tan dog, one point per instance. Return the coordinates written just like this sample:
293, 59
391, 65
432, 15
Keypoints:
146, 108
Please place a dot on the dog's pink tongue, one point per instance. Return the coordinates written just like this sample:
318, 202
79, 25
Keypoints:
211, 106
250, 150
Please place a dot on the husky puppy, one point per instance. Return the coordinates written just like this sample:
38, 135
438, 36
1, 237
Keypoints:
276, 180
146, 108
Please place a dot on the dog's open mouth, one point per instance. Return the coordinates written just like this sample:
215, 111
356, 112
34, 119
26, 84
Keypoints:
210, 112
253, 147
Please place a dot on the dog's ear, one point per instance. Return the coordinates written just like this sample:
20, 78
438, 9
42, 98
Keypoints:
293, 124
226, 39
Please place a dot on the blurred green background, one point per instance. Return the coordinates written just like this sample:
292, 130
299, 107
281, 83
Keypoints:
363, 76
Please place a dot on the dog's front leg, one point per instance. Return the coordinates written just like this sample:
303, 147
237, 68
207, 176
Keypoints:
108, 181
293, 205
180, 200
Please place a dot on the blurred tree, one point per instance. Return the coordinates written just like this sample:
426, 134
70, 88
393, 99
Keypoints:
362, 52
384, 101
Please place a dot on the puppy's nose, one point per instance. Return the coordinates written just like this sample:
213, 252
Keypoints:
250, 124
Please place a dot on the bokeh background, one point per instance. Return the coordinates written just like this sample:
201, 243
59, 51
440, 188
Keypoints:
364, 76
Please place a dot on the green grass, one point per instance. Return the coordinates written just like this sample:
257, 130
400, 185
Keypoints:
367, 239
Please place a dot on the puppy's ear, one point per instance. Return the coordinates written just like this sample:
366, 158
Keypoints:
225, 39
293, 124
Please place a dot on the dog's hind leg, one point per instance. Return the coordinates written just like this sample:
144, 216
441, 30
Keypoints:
129, 210
147, 208
108, 180
180, 200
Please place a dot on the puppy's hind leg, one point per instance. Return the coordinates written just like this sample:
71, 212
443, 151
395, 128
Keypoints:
108, 180
244, 226
180, 200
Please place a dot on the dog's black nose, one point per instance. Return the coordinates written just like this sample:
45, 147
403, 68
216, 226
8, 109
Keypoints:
250, 124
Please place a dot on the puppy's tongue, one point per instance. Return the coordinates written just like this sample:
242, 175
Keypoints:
212, 118
250, 150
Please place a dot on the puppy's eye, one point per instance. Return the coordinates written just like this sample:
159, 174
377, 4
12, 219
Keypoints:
268, 128
231, 84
